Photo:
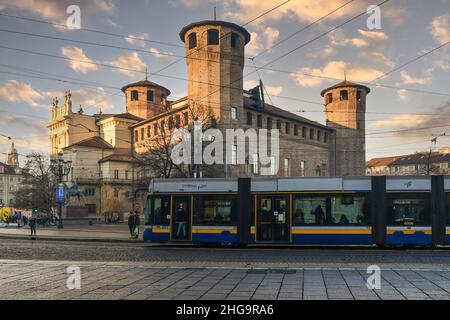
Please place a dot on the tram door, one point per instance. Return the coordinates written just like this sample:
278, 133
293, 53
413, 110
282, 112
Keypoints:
181, 219
273, 219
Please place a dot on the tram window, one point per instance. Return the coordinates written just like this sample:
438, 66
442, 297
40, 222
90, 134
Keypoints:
408, 210
161, 210
216, 210
349, 210
309, 210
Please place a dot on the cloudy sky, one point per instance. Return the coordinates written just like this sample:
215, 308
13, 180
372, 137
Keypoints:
405, 109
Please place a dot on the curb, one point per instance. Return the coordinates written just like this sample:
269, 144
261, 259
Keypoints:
49, 238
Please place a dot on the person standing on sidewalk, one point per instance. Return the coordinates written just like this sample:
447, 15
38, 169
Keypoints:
137, 222
131, 224
32, 223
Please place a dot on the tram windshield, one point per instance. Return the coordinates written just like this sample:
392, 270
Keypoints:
406, 211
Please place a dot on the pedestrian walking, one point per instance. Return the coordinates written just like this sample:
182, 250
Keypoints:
131, 224
32, 223
137, 222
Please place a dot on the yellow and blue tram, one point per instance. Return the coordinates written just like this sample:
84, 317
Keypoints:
301, 211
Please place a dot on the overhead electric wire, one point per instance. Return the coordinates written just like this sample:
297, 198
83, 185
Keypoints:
299, 47
221, 37
411, 61
301, 30
92, 30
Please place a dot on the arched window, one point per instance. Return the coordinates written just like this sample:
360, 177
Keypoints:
329, 97
344, 95
192, 40
234, 40
213, 37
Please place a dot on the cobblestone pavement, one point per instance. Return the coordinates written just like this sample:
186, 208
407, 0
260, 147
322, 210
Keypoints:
140, 271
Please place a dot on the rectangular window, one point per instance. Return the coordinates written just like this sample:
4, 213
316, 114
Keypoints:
216, 210
269, 123
170, 123
273, 166
186, 118
234, 39
303, 132
319, 135
155, 129
116, 174
126, 174
288, 128
134, 95
162, 126
160, 211
329, 98
311, 133
177, 121
249, 118
279, 124
259, 121
234, 155
325, 137
150, 95
255, 167
302, 168
192, 40
287, 167
309, 210
295, 130
233, 113
342, 210
349, 210
142, 134
136, 135
149, 131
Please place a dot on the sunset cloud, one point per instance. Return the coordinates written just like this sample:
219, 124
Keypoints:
80, 62
89, 99
428, 125
161, 55
402, 120
407, 78
138, 40
440, 28
262, 39
335, 69
130, 63
15, 91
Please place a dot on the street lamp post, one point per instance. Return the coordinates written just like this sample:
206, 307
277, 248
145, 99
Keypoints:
60, 169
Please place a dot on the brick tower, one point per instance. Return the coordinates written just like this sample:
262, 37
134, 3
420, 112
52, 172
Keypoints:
145, 99
345, 106
215, 59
